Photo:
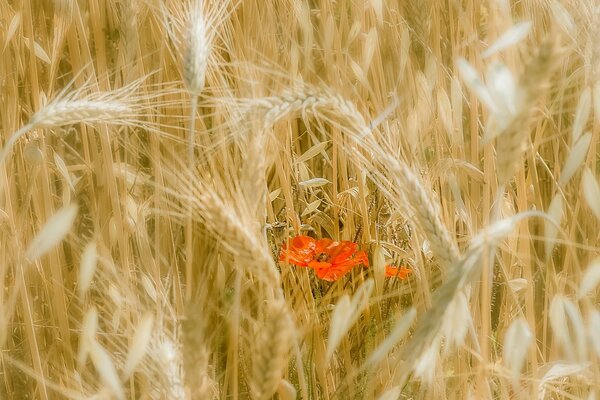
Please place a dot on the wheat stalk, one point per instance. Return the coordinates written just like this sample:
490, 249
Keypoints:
119, 107
512, 142
240, 235
272, 350
196, 353
198, 49
417, 199
193, 138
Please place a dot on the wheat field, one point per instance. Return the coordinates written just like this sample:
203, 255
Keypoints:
158, 157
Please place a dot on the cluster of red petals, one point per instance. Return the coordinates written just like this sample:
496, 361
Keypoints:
397, 272
331, 260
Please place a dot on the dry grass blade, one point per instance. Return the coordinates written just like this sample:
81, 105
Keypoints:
472, 79
558, 371
591, 192
312, 152
582, 115
399, 331
594, 327
345, 314
551, 227
52, 233
457, 322
575, 159
516, 341
590, 279
563, 18
106, 369
514, 35
87, 267
139, 344
89, 327
62, 169
311, 207
314, 182
568, 328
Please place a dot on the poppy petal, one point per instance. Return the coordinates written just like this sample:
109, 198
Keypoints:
343, 251
295, 259
319, 265
325, 245
397, 272
330, 259
303, 243
298, 251
362, 258
333, 273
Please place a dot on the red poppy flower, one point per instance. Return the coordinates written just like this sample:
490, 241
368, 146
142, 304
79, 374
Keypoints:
334, 260
397, 272
330, 260
300, 251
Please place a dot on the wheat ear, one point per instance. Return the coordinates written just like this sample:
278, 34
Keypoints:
196, 355
464, 271
195, 63
404, 181
273, 348
513, 140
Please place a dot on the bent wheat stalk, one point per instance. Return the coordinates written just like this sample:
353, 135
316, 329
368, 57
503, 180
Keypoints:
117, 107
401, 179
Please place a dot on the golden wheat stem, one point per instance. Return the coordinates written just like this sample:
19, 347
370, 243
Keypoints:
273, 350
192, 132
